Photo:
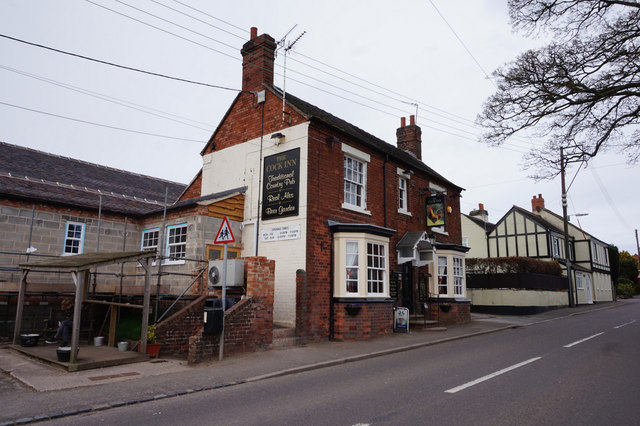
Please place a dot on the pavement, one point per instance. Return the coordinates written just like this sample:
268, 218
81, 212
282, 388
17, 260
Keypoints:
32, 391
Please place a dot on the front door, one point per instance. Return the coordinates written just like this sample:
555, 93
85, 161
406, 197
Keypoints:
407, 286
587, 279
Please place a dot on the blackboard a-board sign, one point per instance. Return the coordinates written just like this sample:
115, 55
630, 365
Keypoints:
281, 185
393, 285
422, 288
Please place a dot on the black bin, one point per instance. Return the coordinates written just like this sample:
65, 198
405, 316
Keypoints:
213, 316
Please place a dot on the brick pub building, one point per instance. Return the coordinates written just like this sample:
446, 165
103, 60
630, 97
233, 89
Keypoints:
356, 226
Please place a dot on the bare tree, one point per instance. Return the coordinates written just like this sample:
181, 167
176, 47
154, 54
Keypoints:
581, 91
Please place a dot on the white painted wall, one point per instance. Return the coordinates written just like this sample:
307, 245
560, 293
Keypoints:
477, 238
238, 166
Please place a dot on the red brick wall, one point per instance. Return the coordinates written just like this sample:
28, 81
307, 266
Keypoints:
325, 196
459, 313
248, 324
374, 319
244, 120
194, 190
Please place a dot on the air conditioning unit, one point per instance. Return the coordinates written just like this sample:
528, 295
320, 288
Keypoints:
235, 272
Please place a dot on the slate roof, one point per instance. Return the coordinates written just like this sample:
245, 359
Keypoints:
315, 113
32, 175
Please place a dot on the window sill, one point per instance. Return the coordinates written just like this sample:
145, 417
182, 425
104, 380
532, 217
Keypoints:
439, 230
174, 262
405, 212
360, 299
355, 209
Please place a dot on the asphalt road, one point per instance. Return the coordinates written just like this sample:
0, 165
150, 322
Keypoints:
576, 370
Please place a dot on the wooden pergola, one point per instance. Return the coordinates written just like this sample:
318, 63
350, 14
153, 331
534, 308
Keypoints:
79, 266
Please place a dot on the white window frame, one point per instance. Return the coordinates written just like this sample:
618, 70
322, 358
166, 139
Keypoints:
349, 243
555, 247
79, 239
148, 232
358, 158
403, 191
171, 244
579, 285
376, 268
352, 267
443, 275
458, 276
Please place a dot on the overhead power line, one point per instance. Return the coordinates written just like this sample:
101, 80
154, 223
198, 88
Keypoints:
100, 61
461, 42
127, 104
100, 124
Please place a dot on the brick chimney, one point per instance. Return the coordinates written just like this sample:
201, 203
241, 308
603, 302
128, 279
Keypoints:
537, 203
410, 137
258, 56
480, 213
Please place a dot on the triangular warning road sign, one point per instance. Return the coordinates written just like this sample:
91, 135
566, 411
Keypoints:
224, 234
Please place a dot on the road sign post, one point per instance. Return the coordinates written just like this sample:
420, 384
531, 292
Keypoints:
224, 236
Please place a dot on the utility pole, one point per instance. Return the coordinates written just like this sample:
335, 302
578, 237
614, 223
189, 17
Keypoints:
567, 254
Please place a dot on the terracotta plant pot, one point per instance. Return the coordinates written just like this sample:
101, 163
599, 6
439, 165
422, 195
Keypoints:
153, 349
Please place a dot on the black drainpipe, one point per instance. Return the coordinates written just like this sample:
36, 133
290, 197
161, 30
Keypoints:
384, 188
331, 284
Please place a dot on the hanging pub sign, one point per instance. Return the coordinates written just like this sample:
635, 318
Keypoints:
281, 185
435, 210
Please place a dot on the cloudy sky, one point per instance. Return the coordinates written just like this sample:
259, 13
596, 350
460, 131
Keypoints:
369, 62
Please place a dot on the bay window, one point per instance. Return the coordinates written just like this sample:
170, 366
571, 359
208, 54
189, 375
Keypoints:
361, 264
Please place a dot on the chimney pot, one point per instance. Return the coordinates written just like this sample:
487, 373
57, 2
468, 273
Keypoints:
481, 213
537, 203
412, 120
258, 55
409, 138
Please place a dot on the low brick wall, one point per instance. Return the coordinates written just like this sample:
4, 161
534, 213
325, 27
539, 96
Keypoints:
248, 323
450, 311
175, 331
362, 320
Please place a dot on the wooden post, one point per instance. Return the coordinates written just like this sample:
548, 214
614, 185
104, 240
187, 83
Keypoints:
20, 307
81, 283
145, 308
113, 324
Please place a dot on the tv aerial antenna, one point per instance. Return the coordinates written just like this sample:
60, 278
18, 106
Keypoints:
414, 104
287, 47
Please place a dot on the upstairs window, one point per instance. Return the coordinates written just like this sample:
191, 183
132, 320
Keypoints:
176, 243
73, 238
355, 179
555, 247
403, 202
150, 239
354, 182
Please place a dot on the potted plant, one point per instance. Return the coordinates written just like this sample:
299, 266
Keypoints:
153, 345
445, 307
353, 308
